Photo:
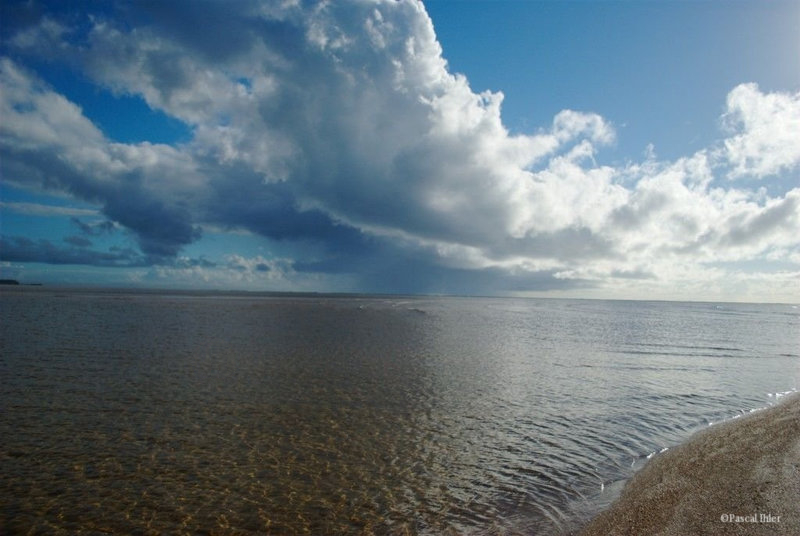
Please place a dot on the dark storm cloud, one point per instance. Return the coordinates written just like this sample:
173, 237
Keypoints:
22, 249
94, 228
242, 199
79, 241
403, 268
162, 227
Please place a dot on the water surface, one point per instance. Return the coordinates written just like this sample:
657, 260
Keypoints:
133, 412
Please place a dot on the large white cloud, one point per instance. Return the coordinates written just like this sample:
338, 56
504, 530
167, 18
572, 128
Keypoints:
766, 127
340, 123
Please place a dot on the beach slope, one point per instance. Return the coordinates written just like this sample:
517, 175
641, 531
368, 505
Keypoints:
738, 477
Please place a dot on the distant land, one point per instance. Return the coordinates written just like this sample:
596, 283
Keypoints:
15, 282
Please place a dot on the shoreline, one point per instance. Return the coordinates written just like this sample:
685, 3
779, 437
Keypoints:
738, 477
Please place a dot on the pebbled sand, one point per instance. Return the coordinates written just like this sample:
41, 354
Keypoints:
748, 467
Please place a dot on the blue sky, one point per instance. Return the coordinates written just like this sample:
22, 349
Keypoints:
660, 71
590, 149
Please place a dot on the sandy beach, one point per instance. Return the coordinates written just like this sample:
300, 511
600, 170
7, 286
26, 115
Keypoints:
738, 477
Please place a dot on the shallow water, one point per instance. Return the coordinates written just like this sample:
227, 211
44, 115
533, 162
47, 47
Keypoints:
140, 412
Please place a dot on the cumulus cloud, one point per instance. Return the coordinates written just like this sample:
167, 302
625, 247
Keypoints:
47, 141
340, 125
237, 271
765, 130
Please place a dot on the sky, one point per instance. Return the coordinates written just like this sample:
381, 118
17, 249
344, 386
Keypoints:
609, 149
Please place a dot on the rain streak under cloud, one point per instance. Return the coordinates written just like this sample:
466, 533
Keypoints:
337, 133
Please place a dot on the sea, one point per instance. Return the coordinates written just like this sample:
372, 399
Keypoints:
158, 412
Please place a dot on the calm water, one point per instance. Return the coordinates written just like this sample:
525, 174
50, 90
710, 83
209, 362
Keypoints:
145, 413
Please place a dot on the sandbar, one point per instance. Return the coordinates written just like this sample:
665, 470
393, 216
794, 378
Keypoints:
738, 477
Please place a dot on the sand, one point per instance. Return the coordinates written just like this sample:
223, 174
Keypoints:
738, 477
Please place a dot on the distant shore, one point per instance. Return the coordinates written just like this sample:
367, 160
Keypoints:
739, 477
15, 283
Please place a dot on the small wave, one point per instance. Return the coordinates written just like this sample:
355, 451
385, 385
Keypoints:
781, 394
689, 354
655, 453
689, 347
743, 412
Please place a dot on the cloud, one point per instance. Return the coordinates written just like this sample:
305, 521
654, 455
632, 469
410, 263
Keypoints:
97, 228
237, 271
47, 141
22, 249
78, 241
765, 227
38, 209
765, 130
78, 252
339, 127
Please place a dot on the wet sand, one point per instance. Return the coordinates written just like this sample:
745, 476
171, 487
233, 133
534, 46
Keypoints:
738, 477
